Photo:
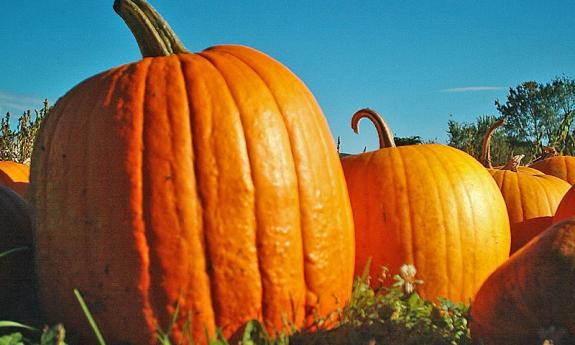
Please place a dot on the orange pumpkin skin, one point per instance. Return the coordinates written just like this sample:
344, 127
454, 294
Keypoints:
15, 176
566, 207
530, 292
222, 190
562, 167
16, 268
531, 201
432, 206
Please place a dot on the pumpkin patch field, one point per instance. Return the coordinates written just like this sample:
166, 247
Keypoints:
199, 198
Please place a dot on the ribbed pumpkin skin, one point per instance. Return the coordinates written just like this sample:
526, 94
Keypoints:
16, 268
15, 176
559, 166
531, 200
212, 177
432, 206
531, 291
566, 207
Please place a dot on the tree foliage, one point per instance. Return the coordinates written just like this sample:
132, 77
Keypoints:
539, 115
536, 115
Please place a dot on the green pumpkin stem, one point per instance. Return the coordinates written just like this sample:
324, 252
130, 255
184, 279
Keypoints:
383, 130
486, 143
152, 32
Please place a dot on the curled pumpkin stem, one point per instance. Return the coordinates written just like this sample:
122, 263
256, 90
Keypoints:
486, 143
152, 32
383, 130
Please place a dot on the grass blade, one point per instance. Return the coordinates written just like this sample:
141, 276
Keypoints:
12, 251
16, 324
89, 317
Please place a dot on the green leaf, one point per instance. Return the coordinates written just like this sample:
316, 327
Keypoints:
12, 339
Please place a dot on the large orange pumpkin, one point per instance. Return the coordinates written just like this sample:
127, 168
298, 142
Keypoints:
556, 165
531, 294
429, 205
206, 179
15, 176
531, 196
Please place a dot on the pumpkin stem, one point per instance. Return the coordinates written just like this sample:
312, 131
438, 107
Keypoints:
383, 131
152, 32
513, 163
548, 152
486, 143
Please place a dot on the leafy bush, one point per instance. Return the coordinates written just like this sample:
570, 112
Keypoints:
394, 315
16, 145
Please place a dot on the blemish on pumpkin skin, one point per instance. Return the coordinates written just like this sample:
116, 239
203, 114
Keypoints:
107, 269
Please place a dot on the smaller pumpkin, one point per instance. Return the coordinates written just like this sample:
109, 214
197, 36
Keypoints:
531, 293
15, 176
531, 196
560, 166
566, 207
16, 263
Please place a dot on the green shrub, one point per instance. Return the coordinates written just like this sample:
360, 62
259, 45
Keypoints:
16, 145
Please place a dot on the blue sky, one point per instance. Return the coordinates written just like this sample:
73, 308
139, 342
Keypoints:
418, 63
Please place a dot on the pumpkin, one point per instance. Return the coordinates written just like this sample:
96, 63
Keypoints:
429, 205
204, 180
552, 164
566, 207
16, 264
15, 176
531, 197
531, 293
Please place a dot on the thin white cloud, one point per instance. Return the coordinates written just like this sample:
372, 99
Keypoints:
473, 89
12, 102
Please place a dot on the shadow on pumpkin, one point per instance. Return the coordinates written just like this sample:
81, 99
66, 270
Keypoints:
523, 232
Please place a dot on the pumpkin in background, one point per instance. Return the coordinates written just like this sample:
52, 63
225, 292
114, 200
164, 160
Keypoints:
531, 293
15, 176
531, 196
206, 179
429, 205
17, 300
566, 207
552, 164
